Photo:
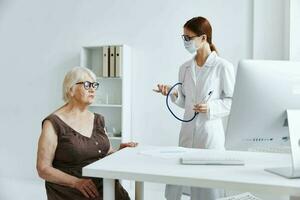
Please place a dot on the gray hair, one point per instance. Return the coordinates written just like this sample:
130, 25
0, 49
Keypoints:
73, 76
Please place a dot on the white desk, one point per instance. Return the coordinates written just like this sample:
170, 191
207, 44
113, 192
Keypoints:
131, 165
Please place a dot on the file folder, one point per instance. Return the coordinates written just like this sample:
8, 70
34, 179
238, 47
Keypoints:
105, 55
119, 56
112, 71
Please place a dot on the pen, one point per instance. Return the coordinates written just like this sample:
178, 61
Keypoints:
206, 98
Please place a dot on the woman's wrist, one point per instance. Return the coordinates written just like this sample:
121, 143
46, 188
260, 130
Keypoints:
74, 180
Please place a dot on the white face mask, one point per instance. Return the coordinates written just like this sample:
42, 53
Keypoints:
190, 46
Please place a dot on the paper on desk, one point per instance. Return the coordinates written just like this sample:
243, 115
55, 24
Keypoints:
243, 196
166, 152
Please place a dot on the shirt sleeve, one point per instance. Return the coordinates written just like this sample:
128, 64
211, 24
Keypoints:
221, 107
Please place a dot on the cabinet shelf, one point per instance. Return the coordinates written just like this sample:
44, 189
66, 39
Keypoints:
114, 138
106, 105
108, 78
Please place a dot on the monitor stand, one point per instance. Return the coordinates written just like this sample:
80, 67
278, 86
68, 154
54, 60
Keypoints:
293, 117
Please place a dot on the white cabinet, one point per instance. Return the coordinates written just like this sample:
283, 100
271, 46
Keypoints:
113, 99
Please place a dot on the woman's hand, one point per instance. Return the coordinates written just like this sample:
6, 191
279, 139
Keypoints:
86, 187
129, 144
201, 108
164, 89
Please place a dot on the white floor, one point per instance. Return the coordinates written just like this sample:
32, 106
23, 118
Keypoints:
153, 191
156, 191
17, 189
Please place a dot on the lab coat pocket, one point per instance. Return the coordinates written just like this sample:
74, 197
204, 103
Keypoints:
214, 85
215, 135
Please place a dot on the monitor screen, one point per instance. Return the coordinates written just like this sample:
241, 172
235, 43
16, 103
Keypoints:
264, 90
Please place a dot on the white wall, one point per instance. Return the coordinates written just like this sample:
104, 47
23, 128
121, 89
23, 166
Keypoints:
41, 40
270, 29
294, 23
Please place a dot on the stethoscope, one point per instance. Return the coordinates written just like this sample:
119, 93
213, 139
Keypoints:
195, 114
205, 99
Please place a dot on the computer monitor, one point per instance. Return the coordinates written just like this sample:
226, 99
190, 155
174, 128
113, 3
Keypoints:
264, 91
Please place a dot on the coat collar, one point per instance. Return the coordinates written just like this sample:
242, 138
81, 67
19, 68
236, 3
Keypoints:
210, 61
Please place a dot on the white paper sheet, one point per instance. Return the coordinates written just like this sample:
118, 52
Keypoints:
167, 152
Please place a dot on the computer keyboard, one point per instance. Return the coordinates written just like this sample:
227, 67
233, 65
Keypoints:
211, 157
244, 196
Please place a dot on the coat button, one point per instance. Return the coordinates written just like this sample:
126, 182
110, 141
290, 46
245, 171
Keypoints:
96, 143
99, 151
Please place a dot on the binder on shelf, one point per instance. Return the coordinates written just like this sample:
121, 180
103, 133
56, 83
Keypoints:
119, 56
105, 56
112, 71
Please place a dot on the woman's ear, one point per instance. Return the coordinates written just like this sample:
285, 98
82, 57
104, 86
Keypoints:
198, 41
204, 38
71, 92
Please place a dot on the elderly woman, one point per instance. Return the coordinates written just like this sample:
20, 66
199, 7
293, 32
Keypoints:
73, 137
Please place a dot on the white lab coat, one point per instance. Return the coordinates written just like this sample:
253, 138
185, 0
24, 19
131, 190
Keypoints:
206, 130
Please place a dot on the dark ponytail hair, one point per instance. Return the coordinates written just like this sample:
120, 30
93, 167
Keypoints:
200, 26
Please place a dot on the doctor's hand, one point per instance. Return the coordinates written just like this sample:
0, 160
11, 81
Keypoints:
164, 89
201, 108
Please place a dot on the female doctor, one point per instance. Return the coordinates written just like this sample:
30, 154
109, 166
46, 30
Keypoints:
206, 74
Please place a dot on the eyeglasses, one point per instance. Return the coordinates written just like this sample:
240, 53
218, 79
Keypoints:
188, 38
87, 85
